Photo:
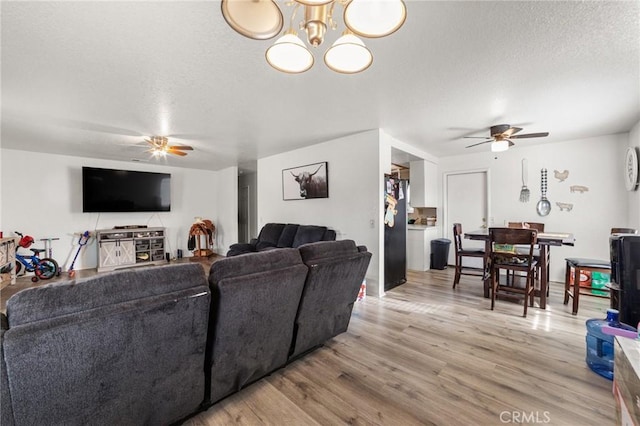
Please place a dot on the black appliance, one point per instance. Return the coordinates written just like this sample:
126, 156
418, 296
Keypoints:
625, 272
395, 232
109, 190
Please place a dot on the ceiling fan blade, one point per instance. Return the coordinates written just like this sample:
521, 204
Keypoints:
474, 137
181, 147
512, 131
155, 142
479, 143
531, 135
180, 153
510, 143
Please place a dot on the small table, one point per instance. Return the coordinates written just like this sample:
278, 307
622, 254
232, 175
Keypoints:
545, 240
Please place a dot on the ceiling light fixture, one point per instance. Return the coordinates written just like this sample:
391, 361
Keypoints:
160, 147
500, 145
263, 19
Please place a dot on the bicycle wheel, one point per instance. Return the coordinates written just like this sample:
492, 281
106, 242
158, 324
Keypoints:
47, 268
18, 267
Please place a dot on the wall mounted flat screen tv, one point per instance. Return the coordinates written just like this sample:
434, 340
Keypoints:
109, 190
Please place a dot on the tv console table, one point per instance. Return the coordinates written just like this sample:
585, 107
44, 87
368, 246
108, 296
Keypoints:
121, 248
8, 257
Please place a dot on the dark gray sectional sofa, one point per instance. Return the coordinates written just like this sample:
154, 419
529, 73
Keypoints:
155, 345
280, 235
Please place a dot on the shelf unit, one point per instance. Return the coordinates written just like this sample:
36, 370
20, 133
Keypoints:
119, 248
8, 257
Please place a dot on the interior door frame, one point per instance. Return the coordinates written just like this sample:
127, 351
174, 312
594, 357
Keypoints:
247, 225
445, 192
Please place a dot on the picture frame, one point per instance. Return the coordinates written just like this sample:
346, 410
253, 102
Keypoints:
306, 182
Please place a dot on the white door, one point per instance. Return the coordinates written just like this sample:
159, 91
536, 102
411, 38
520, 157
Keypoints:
466, 202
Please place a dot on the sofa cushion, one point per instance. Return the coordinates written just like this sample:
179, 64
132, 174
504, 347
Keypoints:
308, 234
329, 235
6, 410
324, 249
288, 234
255, 300
128, 348
270, 233
336, 272
64, 298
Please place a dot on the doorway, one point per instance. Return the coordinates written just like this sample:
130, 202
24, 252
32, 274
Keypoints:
243, 214
466, 197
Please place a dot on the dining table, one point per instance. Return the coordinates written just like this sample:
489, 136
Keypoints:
545, 241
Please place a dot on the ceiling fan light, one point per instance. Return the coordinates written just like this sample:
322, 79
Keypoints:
289, 54
500, 146
348, 55
375, 18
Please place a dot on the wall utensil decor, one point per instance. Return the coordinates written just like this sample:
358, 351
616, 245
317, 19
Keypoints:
524, 192
304, 182
544, 206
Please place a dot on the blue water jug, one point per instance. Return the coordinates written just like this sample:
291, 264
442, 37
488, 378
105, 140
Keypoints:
600, 345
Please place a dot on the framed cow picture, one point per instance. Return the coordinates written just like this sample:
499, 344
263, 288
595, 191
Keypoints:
305, 182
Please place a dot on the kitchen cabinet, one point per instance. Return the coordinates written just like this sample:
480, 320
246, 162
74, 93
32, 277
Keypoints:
424, 184
419, 246
119, 248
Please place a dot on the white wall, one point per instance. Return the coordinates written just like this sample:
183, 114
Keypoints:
354, 193
5, 232
634, 196
250, 180
42, 197
595, 163
226, 190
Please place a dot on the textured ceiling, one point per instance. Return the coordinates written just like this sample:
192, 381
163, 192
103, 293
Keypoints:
93, 78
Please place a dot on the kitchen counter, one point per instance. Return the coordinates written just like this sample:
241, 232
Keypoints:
415, 227
419, 246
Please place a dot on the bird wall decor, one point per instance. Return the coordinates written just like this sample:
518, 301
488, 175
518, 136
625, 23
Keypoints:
561, 176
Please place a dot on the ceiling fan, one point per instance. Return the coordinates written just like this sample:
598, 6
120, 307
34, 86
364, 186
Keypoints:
160, 147
501, 135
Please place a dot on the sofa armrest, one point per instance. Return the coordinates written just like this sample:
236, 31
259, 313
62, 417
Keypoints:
240, 248
263, 245
243, 247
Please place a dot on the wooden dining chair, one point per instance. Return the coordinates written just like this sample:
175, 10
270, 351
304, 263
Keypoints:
575, 267
461, 253
536, 253
511, 260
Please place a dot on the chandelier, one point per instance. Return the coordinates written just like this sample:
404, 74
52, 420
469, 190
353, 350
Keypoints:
263, 19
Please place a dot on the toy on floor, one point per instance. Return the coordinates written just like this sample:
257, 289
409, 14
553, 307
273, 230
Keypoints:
44, 268
82, 241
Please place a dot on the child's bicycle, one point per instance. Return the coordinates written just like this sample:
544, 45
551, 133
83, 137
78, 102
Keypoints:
44, 268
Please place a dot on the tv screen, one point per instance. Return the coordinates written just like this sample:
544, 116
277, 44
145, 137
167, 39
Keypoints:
108, 190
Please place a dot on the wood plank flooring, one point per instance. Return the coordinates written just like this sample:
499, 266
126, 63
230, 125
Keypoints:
426, 354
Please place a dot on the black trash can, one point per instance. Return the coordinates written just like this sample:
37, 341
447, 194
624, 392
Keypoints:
440, 253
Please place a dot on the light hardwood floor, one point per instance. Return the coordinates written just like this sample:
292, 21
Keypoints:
426, 354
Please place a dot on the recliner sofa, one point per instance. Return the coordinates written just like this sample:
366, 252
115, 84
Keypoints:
280, 235
156, 345
126, 347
